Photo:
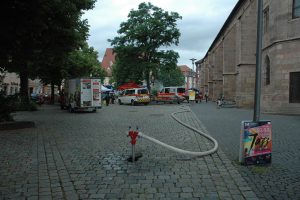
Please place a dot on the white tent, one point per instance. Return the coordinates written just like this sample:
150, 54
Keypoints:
105, 89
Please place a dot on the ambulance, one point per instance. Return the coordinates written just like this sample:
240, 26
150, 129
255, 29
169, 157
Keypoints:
134, 96
171, 94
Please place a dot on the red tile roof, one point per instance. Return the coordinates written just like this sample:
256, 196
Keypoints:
108, 58
184, 69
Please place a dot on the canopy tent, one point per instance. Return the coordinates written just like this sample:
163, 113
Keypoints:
128, 86
105, 89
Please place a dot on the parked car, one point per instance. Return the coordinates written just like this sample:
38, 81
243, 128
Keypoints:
134, 96
37, 98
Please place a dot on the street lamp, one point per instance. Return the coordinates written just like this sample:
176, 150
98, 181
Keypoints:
193, 76
193, 62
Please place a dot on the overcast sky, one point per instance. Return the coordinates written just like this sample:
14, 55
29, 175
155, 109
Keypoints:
200, 23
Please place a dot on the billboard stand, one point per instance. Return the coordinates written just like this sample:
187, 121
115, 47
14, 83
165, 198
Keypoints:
255, 142
256, 135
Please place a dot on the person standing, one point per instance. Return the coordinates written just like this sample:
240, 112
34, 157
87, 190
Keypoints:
219, 103
107, 98
61, 99
112, 97
206, 97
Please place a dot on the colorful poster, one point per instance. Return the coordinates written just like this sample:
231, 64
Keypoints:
86, 93
191, 95
96, 85
256, 142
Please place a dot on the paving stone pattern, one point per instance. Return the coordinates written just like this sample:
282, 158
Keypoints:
280, 179
84, 156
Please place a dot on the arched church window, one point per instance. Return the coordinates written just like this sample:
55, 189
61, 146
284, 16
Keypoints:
267, 71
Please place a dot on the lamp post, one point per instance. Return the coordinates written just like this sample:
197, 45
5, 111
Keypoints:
256, 115
193, 74
193, 62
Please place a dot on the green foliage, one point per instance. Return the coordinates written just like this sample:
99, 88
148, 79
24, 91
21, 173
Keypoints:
25, 106
83, 62
127, 69
141, 39
37, 35
6, 108
154, 92
12, 103
171, 77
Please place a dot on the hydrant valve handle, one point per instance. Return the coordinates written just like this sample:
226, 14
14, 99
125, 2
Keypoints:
133, 135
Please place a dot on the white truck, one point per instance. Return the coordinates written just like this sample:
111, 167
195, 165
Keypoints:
82, 94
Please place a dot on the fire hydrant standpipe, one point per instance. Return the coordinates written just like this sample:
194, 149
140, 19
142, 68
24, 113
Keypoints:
133, 135
175, 149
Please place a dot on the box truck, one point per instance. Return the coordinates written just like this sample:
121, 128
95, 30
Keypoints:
82, 94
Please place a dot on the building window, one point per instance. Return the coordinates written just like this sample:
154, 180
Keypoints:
296, 9
267, 71
294, 87
266, 20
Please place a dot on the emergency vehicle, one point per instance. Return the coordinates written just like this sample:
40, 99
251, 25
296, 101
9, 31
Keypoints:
171, 94
134, 96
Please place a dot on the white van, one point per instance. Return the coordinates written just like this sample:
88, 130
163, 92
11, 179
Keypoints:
134, 96
171, 94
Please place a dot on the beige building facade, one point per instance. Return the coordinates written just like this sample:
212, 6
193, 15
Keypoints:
228, 68
11, 85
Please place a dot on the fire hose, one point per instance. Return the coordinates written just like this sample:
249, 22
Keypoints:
135, 134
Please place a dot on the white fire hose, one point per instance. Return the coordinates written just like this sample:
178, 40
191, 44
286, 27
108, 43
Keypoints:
175, 149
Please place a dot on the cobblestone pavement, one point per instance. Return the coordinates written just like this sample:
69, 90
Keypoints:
281, 179
84, 156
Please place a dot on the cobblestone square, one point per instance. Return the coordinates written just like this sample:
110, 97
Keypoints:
84, 156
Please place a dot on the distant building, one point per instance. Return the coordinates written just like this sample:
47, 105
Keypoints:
107, 62
189, 76
11, 85
228, 68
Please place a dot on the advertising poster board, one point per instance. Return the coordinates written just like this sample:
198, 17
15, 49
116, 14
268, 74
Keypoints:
86, 92
192, 95
255, 142
96, 92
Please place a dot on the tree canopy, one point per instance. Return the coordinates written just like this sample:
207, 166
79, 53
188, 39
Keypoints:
83, 62
140, 42
40, 34
171, 77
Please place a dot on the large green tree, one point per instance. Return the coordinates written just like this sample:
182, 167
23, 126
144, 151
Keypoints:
78, 63
171, 77
139, 45
83, 62
40, 33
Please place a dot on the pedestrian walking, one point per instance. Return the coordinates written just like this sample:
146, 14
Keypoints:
206, 97
107, 98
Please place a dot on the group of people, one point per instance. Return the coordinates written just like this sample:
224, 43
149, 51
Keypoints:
109, 98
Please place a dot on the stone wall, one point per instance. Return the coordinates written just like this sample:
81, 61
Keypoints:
232, 56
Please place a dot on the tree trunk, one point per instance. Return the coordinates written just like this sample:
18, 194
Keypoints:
24, 84
148, 80
52, 93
